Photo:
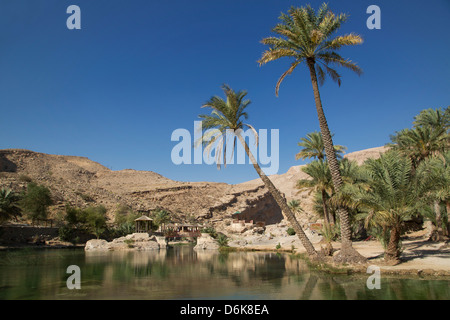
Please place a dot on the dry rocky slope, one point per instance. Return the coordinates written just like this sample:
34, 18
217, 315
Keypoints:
82, 182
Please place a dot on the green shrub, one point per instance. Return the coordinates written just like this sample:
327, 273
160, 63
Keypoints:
65, 233
222, 240
290, 231
95, 219
211, 231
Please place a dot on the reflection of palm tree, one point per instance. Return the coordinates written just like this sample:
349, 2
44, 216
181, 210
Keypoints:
309, 287
227, 115
307, 36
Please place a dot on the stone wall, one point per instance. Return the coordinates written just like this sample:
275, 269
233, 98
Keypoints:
10, 234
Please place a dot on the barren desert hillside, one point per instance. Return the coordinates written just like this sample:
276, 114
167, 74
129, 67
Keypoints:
83, 182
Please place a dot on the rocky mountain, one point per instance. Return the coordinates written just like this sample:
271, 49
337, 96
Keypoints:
82, 182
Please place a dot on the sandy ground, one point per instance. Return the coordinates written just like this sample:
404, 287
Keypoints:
419, 256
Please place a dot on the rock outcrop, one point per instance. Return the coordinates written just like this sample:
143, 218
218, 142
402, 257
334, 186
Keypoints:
206, 242
135, 241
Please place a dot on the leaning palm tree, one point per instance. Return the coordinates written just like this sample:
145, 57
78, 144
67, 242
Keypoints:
312, 147
307, 36
226, 117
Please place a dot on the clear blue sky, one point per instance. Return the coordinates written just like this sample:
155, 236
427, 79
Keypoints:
115, 90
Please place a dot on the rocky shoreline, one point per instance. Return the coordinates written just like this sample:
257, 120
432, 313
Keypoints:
134, 241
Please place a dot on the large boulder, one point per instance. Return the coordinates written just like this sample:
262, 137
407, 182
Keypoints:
135, 241
206, 242
96, 245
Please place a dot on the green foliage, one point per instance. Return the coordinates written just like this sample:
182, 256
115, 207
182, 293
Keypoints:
73, 216
313, 147
294, 205
428, 136
160, 216
92, 219
307, 36
290, 231
9, 205
36, 201
278, 246
222, 240
211, 231
66, 233
329, 232
225, 115
124, 220
95, 218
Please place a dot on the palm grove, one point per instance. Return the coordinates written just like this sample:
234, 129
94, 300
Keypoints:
411, 179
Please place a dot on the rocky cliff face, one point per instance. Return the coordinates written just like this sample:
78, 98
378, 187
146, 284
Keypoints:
82, 182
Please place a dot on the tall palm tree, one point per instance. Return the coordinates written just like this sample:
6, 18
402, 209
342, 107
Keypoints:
307, 36
313, 147
228, 115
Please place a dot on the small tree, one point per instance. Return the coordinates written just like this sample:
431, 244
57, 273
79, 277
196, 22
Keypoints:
124, 220
161, 216
36, 201
96, 220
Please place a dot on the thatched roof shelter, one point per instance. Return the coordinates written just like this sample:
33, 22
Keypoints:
143, 224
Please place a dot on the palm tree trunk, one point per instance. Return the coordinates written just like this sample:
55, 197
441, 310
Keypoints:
347, 253
329, 219
326, 215
393, 251
281, 201
447, 206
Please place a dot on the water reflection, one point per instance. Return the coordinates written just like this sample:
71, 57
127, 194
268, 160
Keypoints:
182, 273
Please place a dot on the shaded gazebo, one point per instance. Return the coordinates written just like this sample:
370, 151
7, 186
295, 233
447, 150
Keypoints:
143, 224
